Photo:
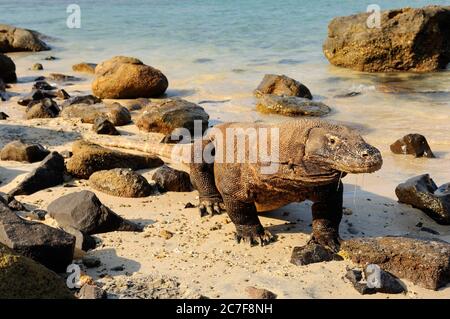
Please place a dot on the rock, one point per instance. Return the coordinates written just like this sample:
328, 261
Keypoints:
48, 174
121, 182
189, 205
282, 85
84, 67
312, 253
37, 67
88, 291
81, 99
409, 39
62, 94
91, 261
117, 114
425, 263
49, 246
37, 214
83, 241
84, 212
89, 158
23, 152
258, 293
386, 283
7, 67
170, 115
14, 39
58, 77
46, 108
290, 106
50, 58
43, 85
353, 275
104, 126
172, 180
165, 234
421, 192
3, 116
128, 78
23, 278
15, 205
35, 96
414, 144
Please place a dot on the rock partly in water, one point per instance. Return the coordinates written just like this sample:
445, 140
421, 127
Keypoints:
48, 174
89, 158
423, 262
14, 39
46, 108
49, 246
84, 67
408, 39
104, 126
128, 78
259, 293
282, 85
172, 114
172, 180
23, 152
7, 68
290, 106
84, 212
121, 182
23, 278
116, 113
421, 192
312, 253
414, 144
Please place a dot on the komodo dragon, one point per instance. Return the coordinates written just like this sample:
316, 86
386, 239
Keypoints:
313, 156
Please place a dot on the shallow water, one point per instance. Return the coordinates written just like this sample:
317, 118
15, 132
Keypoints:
216, 52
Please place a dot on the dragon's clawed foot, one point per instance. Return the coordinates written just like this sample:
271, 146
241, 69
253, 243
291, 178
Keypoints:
253, 235
211, 207
330, 241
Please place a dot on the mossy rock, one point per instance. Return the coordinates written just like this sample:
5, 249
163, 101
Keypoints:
23, 278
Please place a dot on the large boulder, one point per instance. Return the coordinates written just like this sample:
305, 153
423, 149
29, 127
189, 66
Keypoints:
282, 85
290, 106
7, 68
89, 158
421, 192
121, 182
49, 246
127, 78
414, 144
23, 152
172, 114
84, 211
116, 113
14, 39
425, 263
48, 174
23, 278
408, 39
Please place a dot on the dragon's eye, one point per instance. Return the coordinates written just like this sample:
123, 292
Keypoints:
332, 141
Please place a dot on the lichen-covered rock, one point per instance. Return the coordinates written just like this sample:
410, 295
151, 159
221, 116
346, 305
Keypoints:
7, 69
89, 158
14, 39
84, 67
84, 211
46, 108
23, 152
128, 78
172, 180
116, 113
172, 114
424, 262
408, 39
290, 106
282, 85
414, 144
421, 192
49, 246
48, 174
121, 182
23, 278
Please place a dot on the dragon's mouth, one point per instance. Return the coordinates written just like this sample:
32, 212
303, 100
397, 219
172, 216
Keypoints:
368, 166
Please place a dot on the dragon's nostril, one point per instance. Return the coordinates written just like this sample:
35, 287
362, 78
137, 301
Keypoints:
365, 154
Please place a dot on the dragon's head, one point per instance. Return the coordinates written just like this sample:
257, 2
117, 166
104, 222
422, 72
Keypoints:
341, 148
